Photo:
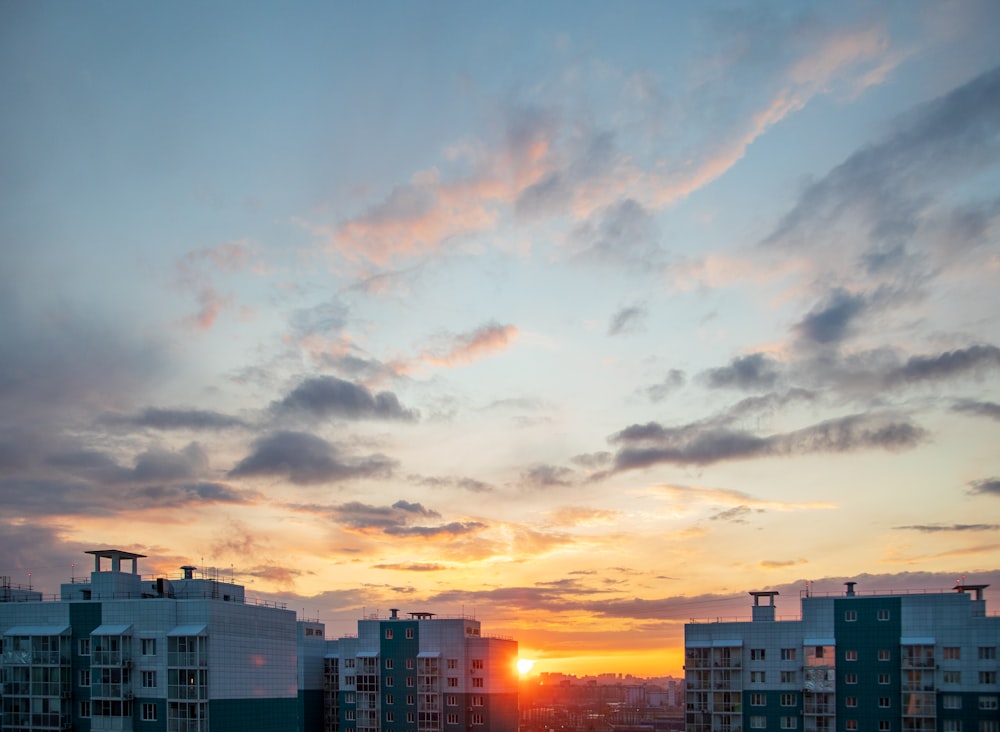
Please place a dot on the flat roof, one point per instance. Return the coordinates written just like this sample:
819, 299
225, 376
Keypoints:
113, 553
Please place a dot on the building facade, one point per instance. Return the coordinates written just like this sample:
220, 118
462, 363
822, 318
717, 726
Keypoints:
870, 662
421, 674
117, 652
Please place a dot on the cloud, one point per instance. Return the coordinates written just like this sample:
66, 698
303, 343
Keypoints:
979, 408
935, 528
627, 320
547, 476
194, 274
185, 494
830, 322
985, 487
777, 564
737, 515
755, 371
673, 381
176, 419
946, 365
704, 445
470, 347
416, 567
305, 459
467, 484
328, 396
623, 233
395, 520
156, 464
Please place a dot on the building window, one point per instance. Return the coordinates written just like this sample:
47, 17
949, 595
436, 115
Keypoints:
987, 653
989, 725
477, 719
884, 679
850, 655
883, 702
85, 709
388, 633
452, 700
389, 681
477, 701
410, 700
850, 678
851, 724
757, 654
951, 677
952, 725
884, 725
84, 649
348, 663
349, 681
411, 717
789, 677
148, 712
452, 663
851, 701
409, 681
987, 677
85, 677
477, 683
349, 715
477, 664
885, 654
789, 723
850, 615
390, 716
758, 722
453, 681
349, 698
149, 646
788, 654
883, 614
149, 679
757, 700
388, 663
757, 677
788, 700
987, 702
410, 634
452, 718
951, 653
410, 664
951, 701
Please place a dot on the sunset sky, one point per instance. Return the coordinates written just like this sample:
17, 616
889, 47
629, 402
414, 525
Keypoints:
584, 318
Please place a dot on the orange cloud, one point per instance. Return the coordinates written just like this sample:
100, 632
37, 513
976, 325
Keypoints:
471, 347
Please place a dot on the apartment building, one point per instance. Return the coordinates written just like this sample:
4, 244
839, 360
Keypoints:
854, 661
421, 673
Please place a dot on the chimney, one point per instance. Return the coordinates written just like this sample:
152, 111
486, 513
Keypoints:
188, 571
850, 588
763, 612
394, 613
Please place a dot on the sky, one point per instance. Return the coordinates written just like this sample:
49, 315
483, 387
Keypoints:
582, 318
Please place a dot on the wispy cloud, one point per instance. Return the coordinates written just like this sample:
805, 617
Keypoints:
467, 348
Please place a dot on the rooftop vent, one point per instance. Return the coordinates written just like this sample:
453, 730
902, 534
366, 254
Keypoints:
850, 588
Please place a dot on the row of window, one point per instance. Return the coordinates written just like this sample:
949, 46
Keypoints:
452, 663
450, 700
948, 653
882, 614
411, 717
146, 711
986, 678
954, 701
758, 722
147, 646
411, 681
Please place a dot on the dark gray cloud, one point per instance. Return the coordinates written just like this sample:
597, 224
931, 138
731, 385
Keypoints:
831, 321
467, 484
415, 508
155, 465
673, 381
627, 320
985, 487
946, 365
980, 409
328, 396
592, 460
304, 459
699, 444
547, 476
736, 515
755, 371
394, 520
935, 528
455, 528
176, 419
186, 494
766, 404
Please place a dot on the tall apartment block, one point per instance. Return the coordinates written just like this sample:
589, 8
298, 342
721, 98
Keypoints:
117, 652
421, 673
854, 661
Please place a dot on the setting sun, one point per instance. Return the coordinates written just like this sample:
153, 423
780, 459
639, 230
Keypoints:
524, 665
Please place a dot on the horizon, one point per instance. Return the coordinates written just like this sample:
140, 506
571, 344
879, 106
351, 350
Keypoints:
587, 319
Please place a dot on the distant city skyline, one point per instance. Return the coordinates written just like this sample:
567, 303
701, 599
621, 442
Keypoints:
585, 319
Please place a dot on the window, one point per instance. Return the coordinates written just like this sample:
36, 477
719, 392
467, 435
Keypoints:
851, 701
477, 718
148, 712
452, 682
951, 725
987, 677
951, 701
410, 664
477, 664
477, 683
884, 679
951, 653
788, 654
349, 681
411, 717
349, 698
452, 718
349, 715
884, 654
757, 654
851, 724
850, 615
388, 663
989, 725
409, 681
850, 655
452, 663
757, 700
884, 725
85, 677
85, 709
390, 699
987, 702
409, 634
850, 678
477, 701
388, 633
789, 677
349, 663
789, 723
148, 679
883, 614
788, 700
951, 677
451, 700
758, 722
757, 677
410, 700
883, 702
149, 646
390, 681
987, 653
85, 650
390, 717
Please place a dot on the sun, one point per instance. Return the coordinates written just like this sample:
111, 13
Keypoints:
524, 665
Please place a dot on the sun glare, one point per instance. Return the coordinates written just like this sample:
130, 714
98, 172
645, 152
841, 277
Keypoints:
524, 665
